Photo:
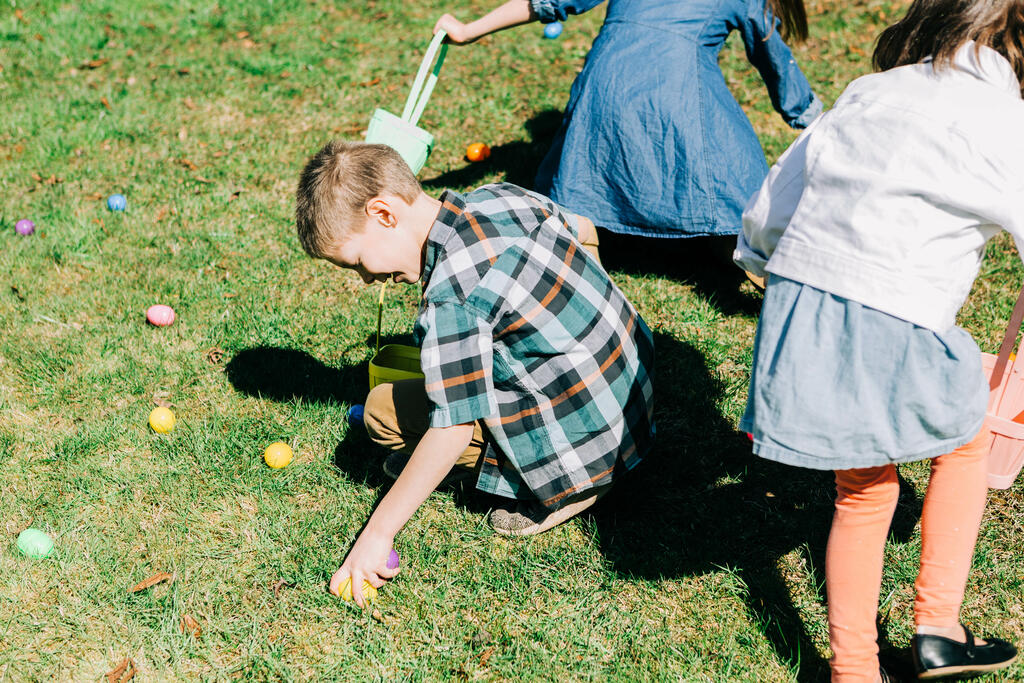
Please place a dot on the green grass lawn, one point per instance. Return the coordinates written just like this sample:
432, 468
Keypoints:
707, 564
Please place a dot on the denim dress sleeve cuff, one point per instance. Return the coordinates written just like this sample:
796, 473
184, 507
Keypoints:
548, 10
811, 113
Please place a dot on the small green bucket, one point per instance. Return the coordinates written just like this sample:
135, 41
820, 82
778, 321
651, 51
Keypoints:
402, 133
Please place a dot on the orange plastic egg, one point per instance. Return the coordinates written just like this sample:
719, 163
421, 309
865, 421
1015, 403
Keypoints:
478, 151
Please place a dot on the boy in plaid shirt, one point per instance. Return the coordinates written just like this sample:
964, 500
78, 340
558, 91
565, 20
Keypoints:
537, 368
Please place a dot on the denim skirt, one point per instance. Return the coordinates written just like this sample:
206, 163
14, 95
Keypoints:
836, 385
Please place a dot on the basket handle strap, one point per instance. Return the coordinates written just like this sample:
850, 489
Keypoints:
420, 93
1007, 346
380, 312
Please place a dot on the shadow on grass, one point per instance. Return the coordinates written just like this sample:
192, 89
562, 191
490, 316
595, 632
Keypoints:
288, 374
703, 262
517, 160
702, 502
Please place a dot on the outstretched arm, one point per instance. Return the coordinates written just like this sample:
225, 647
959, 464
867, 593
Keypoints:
512, 13
433, 458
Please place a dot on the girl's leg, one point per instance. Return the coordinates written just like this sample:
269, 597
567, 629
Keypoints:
953, 506
865, 503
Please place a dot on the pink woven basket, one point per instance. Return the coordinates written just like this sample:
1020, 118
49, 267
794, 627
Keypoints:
1004, 418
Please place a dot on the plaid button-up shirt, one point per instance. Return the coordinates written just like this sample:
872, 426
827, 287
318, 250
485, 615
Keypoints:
521, 328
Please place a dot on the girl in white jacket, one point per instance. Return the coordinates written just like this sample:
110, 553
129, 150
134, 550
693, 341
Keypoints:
871, 229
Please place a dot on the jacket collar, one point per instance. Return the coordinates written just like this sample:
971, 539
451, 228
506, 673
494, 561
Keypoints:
987, 65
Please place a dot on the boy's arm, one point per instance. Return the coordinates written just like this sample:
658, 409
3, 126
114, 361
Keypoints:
433, 458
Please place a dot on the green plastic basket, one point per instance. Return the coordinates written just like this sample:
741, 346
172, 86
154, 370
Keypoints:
401, 132
392, 362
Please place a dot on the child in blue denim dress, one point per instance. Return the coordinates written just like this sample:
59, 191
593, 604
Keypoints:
872, 227
652, 142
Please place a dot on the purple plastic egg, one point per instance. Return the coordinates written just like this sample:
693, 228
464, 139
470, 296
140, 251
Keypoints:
392, 560
160, 315
24, 227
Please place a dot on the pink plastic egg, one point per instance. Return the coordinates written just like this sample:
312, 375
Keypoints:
392, 562
25, 227
160, 315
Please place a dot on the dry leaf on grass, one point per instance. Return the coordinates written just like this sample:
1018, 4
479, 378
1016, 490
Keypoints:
366, 84
105, 103
122, 673
21, 16
190, 625
189, 104
95, 196
159, 577
94, 63
281, 583
215, 356
188, 164
486, 656
234, 195
161, 398
377, 616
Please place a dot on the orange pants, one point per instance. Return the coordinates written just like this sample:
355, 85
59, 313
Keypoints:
865, 502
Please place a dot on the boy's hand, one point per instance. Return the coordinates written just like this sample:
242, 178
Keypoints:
367, 560
457, 32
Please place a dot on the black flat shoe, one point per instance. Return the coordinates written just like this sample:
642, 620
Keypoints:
937, 657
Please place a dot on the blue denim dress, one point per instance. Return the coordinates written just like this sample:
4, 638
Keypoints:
837, 385
652, 142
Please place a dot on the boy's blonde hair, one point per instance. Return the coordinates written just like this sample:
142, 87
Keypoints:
336, 184
938, 28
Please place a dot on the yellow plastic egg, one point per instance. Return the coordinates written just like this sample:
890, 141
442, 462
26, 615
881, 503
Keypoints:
345, 590
278, 455
161, 420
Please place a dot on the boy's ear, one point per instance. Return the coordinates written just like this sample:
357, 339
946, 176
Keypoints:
379, 209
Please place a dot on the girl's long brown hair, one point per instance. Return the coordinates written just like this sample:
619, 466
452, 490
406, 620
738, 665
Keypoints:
792, 15
938, 28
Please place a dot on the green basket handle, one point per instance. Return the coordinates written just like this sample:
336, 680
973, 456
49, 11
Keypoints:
380, 312
417, 100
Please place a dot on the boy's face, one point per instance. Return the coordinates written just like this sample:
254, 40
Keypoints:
386, 247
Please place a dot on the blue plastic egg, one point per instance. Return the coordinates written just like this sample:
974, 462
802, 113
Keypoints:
117, 202
553, 30
355, 415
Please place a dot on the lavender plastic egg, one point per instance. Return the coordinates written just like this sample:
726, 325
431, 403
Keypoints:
160, 315
392, 560
24, 227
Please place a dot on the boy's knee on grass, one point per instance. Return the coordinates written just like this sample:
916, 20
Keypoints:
380, 419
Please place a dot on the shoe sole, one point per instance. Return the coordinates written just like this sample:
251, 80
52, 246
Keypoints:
962, 672
559, 516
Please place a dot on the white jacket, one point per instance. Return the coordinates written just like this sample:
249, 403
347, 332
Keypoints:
889, 198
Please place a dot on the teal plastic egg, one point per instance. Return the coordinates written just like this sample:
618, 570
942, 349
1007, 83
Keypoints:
35, 543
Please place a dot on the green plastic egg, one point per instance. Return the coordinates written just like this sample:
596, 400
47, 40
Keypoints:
35, 543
